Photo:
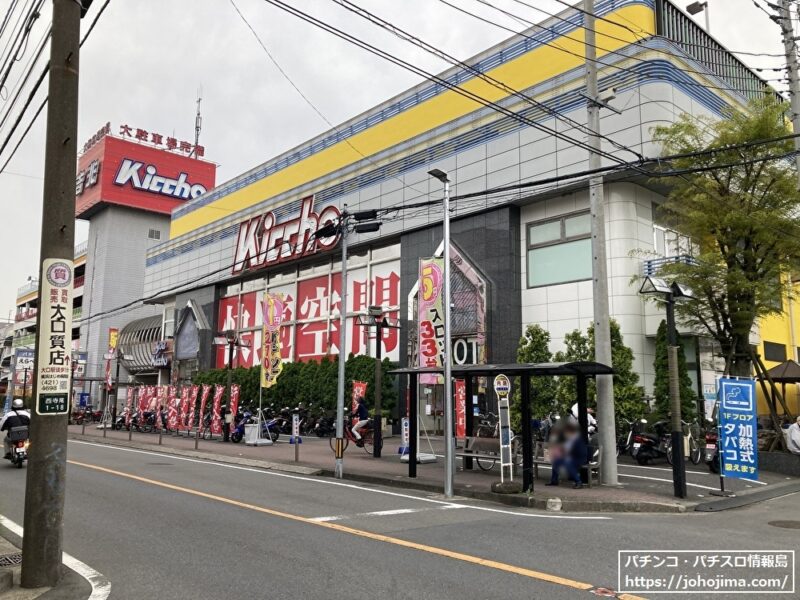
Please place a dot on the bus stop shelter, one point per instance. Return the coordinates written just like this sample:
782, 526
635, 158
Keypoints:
582, 371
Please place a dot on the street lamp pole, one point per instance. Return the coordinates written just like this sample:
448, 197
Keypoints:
449, 448
339, 466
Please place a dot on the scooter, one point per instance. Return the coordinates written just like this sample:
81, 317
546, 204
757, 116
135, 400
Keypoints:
712, 450
648, 446
18, 436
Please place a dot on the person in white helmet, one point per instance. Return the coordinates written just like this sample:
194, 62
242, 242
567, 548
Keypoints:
16, 417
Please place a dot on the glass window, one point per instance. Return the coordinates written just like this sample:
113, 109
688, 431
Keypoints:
560, 263
560, 250
774, 352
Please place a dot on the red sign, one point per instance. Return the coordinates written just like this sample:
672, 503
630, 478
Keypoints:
118, 172
359, 391
203, 400
216, 410
263, 241
172, 408
184, 414
234, 407
461, 409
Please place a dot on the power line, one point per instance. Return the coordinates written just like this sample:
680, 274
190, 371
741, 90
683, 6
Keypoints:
7, 16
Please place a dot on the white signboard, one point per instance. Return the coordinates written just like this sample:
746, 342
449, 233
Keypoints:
55, 338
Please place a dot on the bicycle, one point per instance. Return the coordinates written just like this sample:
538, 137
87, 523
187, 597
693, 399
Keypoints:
695, 452
367, 437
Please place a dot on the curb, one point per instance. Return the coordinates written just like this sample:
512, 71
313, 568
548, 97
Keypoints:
524, 500
220, 458
749, 497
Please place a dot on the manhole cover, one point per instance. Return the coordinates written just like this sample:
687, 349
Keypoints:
10, 560
785, 524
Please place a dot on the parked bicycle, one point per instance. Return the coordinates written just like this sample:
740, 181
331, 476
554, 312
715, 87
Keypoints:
695, 453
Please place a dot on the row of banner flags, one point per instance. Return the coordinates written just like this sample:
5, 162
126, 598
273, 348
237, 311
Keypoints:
181, 405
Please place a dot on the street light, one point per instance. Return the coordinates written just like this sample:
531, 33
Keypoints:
698, 7
669, 292
449, 448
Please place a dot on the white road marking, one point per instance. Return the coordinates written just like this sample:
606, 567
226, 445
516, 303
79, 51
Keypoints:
669, 470
344, 485
388, 513
101, 587
703, 487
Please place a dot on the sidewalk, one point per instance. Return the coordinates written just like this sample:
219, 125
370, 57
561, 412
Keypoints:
316, 458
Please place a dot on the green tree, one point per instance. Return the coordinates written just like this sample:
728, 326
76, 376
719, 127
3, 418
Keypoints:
534, 347
741, 212
661, 386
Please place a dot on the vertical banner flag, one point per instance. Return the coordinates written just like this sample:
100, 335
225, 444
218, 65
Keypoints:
193, 406
161, 401
461, 408
216, 407
113, 338
203, 399
144, 400
430, 316
172, 408
737, 428
54, 365
234, 407
184, 411
359, 391
271, 363
129, 405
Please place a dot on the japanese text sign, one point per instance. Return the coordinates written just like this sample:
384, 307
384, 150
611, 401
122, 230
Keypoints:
271, 361
55, 336
461, 408
430, 316
737, 429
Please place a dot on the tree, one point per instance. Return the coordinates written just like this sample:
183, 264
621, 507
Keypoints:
628, 395
741, 212
661, 386
534, 348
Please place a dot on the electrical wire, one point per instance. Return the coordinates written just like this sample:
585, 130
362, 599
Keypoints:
7, 16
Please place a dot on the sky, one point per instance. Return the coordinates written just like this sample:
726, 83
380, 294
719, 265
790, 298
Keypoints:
146, 61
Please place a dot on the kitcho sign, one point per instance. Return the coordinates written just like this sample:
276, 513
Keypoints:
146, 178
263, 241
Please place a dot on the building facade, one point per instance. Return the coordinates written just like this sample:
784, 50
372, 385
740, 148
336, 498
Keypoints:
522, 253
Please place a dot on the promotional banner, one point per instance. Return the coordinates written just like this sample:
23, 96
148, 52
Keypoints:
23, 366
738, 429
430, 316
113, 338
271, 363
160, 402
234, 407
143, 404
461, 408
184, 408
172, 408
193, 406
203, 400
129, 405
359, 391
216, 419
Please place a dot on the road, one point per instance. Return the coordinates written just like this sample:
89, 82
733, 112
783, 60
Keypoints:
162, 526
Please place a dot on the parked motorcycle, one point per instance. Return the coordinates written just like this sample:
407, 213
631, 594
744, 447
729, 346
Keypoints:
625, 444
18, 436
325, 426
648, 446
712, 450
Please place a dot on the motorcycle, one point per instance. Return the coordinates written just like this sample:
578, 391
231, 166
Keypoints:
648, 446
325, 426
712, 450
18, 436
268, 428
625, 445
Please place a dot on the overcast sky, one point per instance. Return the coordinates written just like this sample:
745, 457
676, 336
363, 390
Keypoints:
146, 60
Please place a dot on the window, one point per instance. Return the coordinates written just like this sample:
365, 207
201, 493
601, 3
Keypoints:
560, 251
774, 352
670, 243
154, 234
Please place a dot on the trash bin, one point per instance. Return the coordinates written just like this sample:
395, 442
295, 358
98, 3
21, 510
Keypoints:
251, 434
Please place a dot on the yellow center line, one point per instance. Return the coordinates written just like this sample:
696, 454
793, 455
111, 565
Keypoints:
468, 558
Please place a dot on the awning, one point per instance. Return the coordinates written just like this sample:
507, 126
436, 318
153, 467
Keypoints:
786, 372
137, 342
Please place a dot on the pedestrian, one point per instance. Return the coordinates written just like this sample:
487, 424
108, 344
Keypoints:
362, 418
227, 419
794, 437
573, 456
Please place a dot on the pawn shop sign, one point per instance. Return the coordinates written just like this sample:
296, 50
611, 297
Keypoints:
502, 386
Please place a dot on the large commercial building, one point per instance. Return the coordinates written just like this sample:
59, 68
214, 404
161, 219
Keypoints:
522, 255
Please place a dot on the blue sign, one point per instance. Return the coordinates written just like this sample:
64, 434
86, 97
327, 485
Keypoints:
83, 399
738, 429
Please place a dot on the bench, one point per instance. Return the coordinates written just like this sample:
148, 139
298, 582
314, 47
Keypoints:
541, 456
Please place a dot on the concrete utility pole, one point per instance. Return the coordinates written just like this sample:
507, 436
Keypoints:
784, 21
339, 467
602, 331
44, 493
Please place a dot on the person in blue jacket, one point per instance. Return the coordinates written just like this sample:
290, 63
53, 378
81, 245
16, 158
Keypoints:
575, 454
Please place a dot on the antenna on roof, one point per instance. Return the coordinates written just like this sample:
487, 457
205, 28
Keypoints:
198, 123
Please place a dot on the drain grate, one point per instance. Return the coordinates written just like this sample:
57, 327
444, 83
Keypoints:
785, 524
10, 560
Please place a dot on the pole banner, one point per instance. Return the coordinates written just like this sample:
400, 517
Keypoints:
172, 408
193, 406
203, 400
113, 338
738, 426
161, 392
359, 391
271, 363
184, 407
216, 409
430, 316
129, 405
461, 408
234, 407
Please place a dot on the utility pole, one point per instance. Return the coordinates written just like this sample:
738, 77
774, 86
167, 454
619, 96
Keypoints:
602, 330
44, 493
339, 468
784, 21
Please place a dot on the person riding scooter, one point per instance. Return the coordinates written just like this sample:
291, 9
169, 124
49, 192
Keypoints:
16, 417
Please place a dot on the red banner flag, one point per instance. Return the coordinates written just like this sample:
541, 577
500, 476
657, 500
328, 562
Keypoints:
172, 408
184, 407
129, 405
216, 419
203, 399
144, 399
359, 391
192, 406
461, 409
234, 407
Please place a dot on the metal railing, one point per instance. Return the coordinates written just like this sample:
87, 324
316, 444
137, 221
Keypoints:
651, 267
82, 248
29, 287
24, 315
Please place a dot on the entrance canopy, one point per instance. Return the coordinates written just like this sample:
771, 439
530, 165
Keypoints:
582, 371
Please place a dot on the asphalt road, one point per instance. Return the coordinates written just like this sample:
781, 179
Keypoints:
160, 526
